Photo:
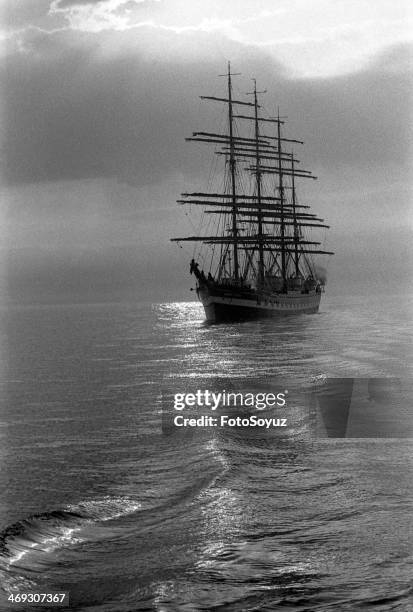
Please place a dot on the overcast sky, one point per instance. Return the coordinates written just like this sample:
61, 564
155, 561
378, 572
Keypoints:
98, 96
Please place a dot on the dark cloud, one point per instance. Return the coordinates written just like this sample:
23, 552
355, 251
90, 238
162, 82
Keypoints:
73, 110
71, 114
18, 13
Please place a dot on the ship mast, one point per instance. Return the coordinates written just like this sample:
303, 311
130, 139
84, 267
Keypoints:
258, 185
232, 164
282, 198
296, 233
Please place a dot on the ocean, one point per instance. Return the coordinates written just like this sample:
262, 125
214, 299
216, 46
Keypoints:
100, 501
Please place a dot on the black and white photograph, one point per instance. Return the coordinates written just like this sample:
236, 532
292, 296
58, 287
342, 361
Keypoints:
206, 306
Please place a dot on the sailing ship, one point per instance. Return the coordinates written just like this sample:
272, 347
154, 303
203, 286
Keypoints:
261, 258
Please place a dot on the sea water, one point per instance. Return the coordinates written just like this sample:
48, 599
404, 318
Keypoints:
97, 501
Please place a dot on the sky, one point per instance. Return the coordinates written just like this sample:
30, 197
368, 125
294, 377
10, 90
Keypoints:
97, 98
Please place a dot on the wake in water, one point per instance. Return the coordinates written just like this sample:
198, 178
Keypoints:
25, 546
46, 532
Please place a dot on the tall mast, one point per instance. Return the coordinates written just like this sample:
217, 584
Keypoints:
255, 247
258, 183
296, 233
282, 200
232, 163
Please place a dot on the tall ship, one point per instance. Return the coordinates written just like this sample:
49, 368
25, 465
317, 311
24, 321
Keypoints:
258, 254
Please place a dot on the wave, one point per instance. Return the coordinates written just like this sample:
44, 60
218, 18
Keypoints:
54, 529
25, 545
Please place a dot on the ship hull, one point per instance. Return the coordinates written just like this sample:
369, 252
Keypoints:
232, 307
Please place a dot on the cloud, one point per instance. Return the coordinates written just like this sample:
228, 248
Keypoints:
109, 4
77, 110
47, 15
63, 4
98, 15
20, 13
104, 105
320, 38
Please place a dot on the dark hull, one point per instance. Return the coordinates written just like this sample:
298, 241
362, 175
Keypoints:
226, 305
